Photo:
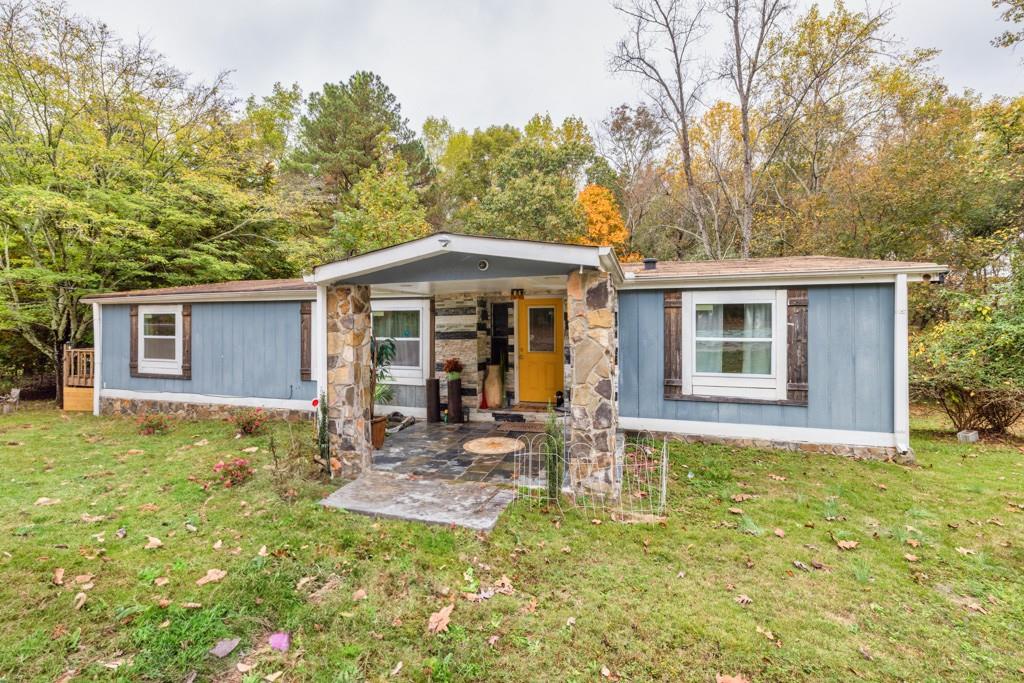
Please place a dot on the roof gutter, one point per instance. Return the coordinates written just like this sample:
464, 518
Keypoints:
850, 276
206, 297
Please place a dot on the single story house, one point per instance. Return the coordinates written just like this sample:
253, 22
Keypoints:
806, 353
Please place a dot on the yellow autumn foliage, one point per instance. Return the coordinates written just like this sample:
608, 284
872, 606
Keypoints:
605, 226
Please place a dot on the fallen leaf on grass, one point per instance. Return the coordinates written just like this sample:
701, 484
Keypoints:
493, 640
250, 449
212, 576
218, 545
780, 533
270, 678
80, 599
913, 542
439, 620
201, 442
358, 595
84, 578
766, 633
910, 557
965, 551
606, 673
723, 678
776, 477
47, 501
243, 668
262, 551
736, 511
743, 599
91, 519
224, 647
58, 576
134, 451
303, 581
192, 605
801, 566
570, 622
280, 641
161, 581
847, 545
394, 671
152, 542
149, 507
740, 497
865, 653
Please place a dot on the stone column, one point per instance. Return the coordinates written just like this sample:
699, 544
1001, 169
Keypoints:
593, 420
349, 371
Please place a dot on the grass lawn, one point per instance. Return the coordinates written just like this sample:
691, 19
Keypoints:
933, 590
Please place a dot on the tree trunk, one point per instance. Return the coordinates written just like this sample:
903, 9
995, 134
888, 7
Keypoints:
58, 372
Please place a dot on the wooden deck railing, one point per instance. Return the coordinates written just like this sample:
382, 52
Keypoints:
79, 367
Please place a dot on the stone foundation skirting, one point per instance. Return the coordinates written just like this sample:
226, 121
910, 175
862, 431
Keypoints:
132, 407
858, 452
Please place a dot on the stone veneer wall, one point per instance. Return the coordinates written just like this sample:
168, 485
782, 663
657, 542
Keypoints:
349, 369
593, 420
456, 335
191, 411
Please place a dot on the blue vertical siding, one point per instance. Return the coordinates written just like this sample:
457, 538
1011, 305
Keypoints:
238, 349
850, 364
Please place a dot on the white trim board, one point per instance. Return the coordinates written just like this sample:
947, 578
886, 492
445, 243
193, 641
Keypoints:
763, 280
732, 430
97, 356
207, 297
901, 367
207, 399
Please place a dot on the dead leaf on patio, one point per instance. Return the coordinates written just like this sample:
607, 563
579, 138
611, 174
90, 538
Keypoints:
47, 501
152, 542
90, 519
847, 545
723, 678
358, 595
910, 557
743, 599
780, 533
965, 551
736, 511
439, 620
740, 497
80, 599
58, 576
212, 576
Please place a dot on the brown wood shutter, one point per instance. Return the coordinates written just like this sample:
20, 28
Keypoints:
306, 340
673, 303
796, 336
186, 341
133, 340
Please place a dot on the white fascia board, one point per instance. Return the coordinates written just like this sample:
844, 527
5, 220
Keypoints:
209, 297
851, 277
207, 399
427, 247
731, 430
97, 357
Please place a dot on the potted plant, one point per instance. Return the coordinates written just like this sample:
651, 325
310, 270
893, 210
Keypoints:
453, 369
382, 353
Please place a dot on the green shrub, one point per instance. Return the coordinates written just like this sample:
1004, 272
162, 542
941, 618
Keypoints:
554, 457
972, 365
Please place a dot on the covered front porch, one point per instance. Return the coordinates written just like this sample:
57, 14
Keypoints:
532, 325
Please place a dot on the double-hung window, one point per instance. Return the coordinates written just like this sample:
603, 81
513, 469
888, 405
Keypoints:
406, 322
734, 343
160, 340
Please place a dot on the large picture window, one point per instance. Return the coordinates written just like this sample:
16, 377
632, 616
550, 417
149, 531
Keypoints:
734, 343
160, 340
406, 323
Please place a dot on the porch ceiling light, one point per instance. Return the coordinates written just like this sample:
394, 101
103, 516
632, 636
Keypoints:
482, 264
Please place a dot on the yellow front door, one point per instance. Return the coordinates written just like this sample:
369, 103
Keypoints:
539, 349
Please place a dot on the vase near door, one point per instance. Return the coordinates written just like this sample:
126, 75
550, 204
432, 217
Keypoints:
494, 388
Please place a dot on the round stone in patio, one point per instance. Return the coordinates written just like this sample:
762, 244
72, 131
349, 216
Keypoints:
493, 445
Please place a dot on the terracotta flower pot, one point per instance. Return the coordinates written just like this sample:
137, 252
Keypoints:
377, 427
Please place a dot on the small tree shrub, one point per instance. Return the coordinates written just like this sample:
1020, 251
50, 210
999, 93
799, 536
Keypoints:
153, 423
249, 422
234, 472
554, 457
972, 365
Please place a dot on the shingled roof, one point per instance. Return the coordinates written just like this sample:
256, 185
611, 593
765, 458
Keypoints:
241, 287
781, 266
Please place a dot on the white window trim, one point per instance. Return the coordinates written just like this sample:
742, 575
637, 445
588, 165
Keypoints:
407, 374
771, 387
159, 366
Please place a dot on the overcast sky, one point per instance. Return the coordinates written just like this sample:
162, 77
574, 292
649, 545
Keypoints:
480, 63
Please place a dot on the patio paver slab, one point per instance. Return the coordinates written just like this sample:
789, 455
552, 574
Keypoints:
474, 505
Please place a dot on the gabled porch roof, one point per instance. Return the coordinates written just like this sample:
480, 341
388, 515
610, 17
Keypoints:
448, 257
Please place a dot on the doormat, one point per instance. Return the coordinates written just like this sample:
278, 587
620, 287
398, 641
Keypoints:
493, 445
521, 427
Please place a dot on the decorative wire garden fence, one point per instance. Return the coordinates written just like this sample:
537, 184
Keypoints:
631, 487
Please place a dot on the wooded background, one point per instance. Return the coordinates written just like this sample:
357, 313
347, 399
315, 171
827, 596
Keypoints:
118, 171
